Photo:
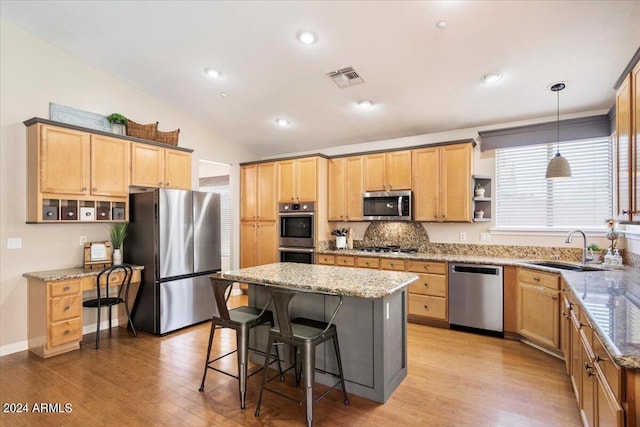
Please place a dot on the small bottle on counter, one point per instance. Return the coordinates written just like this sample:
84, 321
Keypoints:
617, 259
608, 258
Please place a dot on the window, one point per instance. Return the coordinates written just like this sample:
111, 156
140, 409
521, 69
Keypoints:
525, 200
225, 216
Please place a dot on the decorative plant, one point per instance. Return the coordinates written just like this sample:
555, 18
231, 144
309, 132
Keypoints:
594, 247
117, 118
118, 232
340, 232
479, 186
613, 233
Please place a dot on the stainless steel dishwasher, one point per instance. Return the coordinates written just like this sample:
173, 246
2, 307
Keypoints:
476, 298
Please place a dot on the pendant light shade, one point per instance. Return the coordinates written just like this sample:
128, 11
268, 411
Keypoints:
558, 166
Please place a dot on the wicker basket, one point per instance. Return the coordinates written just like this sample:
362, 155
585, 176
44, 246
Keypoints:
170, 138
142, 131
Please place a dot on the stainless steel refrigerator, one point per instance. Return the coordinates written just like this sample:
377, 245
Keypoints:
175, 235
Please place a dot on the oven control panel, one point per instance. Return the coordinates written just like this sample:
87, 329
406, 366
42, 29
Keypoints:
297, 207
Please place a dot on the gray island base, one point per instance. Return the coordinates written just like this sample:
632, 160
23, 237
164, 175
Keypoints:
372, 322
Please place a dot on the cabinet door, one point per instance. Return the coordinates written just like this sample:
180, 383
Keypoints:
248, 193
539, 314
64, 161
110, 166
337, 187
374, 172
247, 244
286, 184
307, 180
354, 188
147, 165
623, 148
635, 167
455, 182
609, 411
426, 184
177, 169
266, 196
576, 360
267, 243
398, 170
587, 408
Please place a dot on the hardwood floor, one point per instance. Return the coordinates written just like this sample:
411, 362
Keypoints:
454, 379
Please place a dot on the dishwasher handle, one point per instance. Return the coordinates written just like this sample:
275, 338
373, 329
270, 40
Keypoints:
485, 270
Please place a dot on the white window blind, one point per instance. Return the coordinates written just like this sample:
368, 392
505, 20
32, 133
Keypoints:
225, 216
526, 200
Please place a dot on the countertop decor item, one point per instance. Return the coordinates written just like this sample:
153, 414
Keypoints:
138, 130
118, 123
558, 166
97, 255
74, 116
170, 138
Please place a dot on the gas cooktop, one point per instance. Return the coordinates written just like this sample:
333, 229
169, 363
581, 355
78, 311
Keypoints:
389, 249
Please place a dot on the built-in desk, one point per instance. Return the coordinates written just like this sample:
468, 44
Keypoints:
55, 307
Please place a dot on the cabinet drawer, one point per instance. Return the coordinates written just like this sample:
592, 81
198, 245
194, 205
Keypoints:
427, 267
422, 305
64, 287
534, 277
326, 259
392, 264
430, 284
345, 260
610, 370
64, 332
367, 262
64, 308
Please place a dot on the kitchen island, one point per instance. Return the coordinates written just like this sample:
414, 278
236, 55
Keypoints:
372, 323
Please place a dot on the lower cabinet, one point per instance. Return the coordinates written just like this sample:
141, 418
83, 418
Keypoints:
428, 295
539, 308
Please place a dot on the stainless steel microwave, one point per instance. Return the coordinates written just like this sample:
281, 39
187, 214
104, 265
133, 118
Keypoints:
387, 206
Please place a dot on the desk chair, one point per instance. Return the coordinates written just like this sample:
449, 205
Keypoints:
242, 320
109, 278
305, 335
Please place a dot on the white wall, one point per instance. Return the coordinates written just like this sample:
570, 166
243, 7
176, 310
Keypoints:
32, 74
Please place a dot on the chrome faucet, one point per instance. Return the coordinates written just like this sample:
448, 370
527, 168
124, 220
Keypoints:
585, 258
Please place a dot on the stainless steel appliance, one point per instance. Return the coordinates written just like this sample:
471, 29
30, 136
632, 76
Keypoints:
387, 206
476, 298
175, 235
297, 232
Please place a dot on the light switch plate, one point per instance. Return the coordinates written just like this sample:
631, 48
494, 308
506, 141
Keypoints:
463, 236
14, 243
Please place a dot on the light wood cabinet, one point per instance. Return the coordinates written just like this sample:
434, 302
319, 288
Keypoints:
387, 171
63, 160
345, 188
326, 259
110, 159
155, 166
442, 183
258, 243
428, 296
298, 180
627, 147
539, 307
258, 190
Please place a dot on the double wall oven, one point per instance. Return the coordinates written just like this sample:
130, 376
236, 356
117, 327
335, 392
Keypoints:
297, 232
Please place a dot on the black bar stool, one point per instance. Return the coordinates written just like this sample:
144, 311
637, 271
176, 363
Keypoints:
242, 320
305, 335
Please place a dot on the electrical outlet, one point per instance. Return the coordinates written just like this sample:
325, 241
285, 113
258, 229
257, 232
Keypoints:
14, 243
463, 236
83, 240
485, 237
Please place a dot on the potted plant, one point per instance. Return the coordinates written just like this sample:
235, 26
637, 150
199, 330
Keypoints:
118, 123
479, 190
594, 252
118, 232
479, 214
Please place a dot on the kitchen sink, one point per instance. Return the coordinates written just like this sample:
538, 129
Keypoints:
565, 266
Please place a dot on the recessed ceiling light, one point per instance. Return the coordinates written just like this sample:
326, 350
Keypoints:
365, 104
283, 122
307, 37
223, 94
441, 24
214, 74
492, 78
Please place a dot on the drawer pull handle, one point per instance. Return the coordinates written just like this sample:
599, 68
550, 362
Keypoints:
536, 279
426, 284
426, 307
597, 358
588, 368
67, 332
67, 307
426, 267
554, 298
66, 288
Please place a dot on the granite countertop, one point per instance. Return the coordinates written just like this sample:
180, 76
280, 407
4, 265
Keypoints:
67, 273
346, 281
609, 298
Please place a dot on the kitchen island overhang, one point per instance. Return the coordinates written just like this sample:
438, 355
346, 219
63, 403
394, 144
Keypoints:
372, 323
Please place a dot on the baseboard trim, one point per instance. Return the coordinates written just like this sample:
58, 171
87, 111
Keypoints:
15, 347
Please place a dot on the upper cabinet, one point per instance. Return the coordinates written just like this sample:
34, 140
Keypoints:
258, 189
155, 166
442, 183
110, 158
345, 188
627, 147
298, 180
387, 171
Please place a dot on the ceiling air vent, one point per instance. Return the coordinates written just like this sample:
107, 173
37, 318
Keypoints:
345, 77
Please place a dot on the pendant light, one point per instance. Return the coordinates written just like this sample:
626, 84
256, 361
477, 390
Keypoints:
558, 166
